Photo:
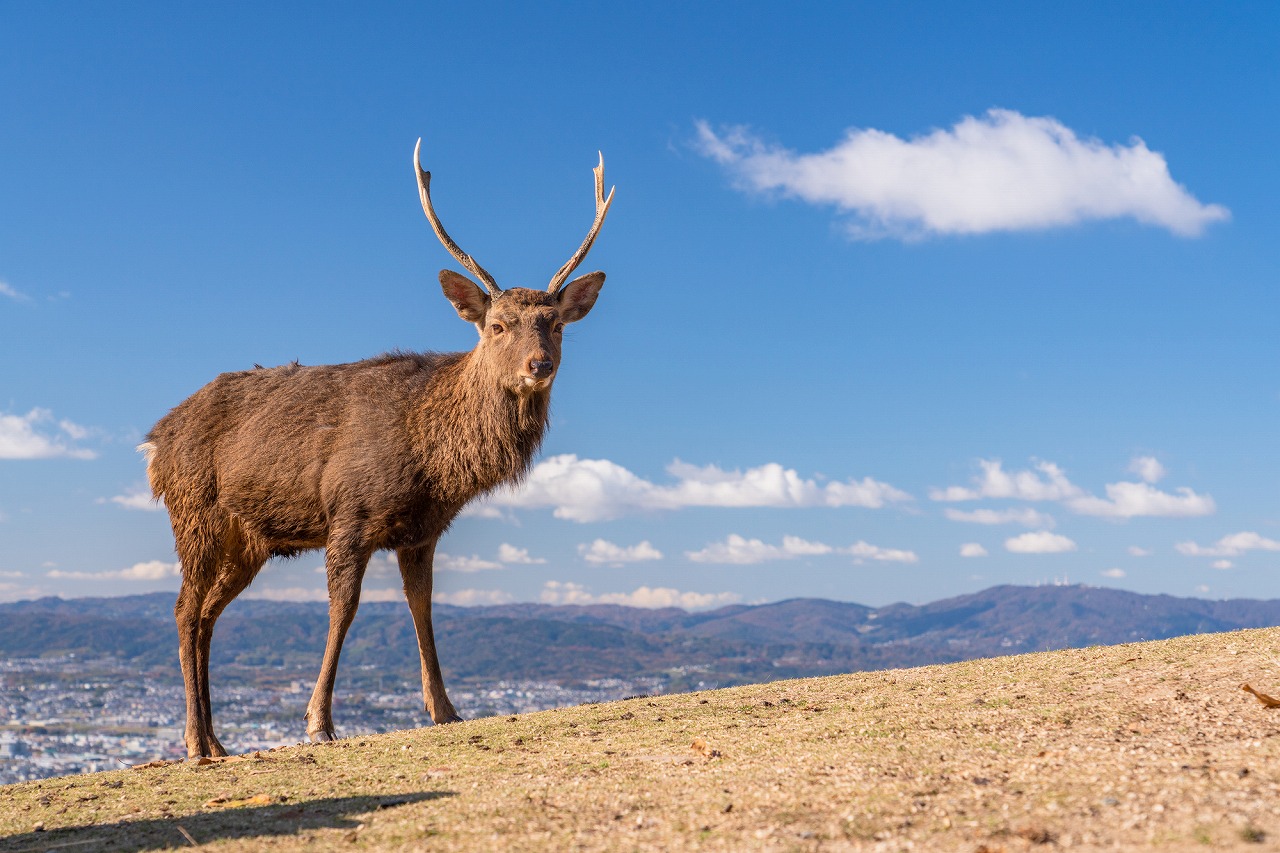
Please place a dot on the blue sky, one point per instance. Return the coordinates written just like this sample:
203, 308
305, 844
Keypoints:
904, 300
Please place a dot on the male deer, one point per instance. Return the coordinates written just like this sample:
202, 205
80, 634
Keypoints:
357, 458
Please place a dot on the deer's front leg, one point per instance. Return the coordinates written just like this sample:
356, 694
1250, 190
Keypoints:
345, 562
415, 570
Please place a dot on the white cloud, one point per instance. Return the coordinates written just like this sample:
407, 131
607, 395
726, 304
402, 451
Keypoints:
14, 592
303, 593
1002, 171
602, 551
586, 490
861, 550
292, 593
473, 597
1046, 482
1039, 542
738, 550
972, 549
518, 556
449, 563
557, 592
1113, 573
1148, 468
1127, 500
138, 497
1025, 516
1222, 564
152, 570
13, 293
1135, 551
1232, 545
29, 437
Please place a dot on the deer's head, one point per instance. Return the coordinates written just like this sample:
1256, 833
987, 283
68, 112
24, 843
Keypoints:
520, 329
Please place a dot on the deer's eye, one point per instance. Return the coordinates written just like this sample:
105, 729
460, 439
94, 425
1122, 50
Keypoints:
497, 328
558, 328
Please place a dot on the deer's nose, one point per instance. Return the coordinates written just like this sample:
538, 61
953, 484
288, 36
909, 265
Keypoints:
541, 369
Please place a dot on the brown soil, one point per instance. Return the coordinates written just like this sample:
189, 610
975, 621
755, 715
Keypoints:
1149, 745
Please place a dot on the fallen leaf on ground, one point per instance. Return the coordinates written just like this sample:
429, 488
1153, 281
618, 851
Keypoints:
1269, 701
229, 803
151, 764
700, 747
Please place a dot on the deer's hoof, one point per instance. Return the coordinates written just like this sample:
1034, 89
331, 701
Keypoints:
451, 717
322, 736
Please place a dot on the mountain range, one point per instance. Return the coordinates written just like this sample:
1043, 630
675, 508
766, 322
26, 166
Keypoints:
571, 644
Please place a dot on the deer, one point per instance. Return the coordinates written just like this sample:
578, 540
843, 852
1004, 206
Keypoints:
358, 458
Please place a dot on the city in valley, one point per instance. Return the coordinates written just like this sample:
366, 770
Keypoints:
65, 715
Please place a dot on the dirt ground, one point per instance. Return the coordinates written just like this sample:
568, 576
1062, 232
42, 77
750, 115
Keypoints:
1140, 746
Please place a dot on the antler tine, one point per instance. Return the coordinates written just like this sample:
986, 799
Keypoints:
602, 208
424, 191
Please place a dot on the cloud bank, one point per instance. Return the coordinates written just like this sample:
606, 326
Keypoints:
1001, 171
1229, 546
588, 490
557, 592
1045, 481
738, 550
152, 570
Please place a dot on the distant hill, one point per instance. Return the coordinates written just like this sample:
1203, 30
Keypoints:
570, 644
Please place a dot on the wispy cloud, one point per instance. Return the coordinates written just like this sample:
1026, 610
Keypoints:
587, 490
13, 293
35, 435
604, 552
1039, 542
558, 592
1025, 516
1114, 574
1232, 545
137, 497
972, 549
1001, 171
473, 597
738, 550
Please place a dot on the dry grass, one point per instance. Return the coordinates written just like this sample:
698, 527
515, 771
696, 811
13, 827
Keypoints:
1142, 745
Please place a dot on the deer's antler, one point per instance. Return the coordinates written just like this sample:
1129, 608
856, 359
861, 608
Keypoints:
424, 190
602, 207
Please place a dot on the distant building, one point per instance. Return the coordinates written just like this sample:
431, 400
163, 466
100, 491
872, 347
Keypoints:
11, 747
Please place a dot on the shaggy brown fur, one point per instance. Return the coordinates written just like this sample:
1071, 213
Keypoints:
353, 458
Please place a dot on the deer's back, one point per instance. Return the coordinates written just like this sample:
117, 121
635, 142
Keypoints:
286, 449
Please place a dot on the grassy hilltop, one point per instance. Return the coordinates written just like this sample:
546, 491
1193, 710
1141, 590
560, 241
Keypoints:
1138, 745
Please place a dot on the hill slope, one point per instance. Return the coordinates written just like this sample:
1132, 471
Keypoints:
1147, 744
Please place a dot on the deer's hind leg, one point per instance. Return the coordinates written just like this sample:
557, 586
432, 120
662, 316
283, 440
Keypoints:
240, 563
199, 544
416, 572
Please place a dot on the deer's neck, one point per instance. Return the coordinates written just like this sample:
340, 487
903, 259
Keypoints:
475, 435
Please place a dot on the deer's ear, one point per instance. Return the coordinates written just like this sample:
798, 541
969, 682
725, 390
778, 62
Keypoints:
577, 297
469, 298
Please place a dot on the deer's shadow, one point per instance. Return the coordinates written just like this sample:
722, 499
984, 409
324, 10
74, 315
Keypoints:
126, 836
